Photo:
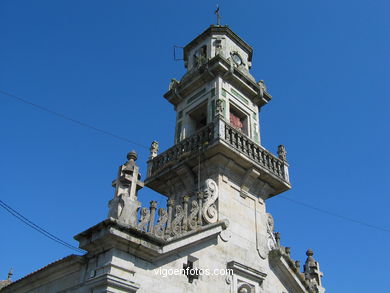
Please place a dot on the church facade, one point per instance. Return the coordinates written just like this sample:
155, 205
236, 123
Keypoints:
214, 234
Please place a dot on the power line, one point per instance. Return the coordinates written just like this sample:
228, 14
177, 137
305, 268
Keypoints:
336, 215
38, 228
86, 125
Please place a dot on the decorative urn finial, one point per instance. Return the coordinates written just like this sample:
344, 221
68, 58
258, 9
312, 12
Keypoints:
132, 156
282, 153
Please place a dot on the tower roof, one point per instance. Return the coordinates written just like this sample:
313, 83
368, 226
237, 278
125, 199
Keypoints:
223, 30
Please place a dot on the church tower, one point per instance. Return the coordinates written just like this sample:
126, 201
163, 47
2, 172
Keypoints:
214, 234
217, 137
217, 133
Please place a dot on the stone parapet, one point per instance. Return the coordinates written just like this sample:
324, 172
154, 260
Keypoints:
220, 137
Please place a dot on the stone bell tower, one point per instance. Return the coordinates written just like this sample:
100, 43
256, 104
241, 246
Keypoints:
217, 132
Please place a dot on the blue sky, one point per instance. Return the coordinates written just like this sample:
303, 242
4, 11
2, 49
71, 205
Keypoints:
108, 63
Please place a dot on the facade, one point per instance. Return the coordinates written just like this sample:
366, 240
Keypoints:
214, 234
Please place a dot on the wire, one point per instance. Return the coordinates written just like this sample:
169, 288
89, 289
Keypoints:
51, 236
86, 125
38, 228
336, 215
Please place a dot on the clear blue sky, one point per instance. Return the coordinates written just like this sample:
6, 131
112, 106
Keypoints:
108, 63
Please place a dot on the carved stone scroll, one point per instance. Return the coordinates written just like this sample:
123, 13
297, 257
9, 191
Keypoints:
159, 229
177, 221
192, 220
209, 210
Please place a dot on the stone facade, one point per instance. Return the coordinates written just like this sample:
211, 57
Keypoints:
214, 233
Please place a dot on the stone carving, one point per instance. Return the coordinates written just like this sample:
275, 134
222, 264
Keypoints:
124, 205
218, 47
115, 207
267, 242
219, 108
153, 149
173, 221
271, 241
225, 235
282, 152
297, 265
173, 84
263, 88
162, 220
145, 217
176, 223
200, 57
312, 272
194, 212
277, 238
210, 213
245, 288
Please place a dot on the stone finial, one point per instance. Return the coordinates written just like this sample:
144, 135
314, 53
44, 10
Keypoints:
153, 204
125, 204
309, 253
132, 156
312, 272
130, 166
153, 149
10, 273
173, 83
282, 152
277, 238
298, 264
263, 87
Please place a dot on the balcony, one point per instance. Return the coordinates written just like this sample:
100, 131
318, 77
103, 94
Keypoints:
220, 137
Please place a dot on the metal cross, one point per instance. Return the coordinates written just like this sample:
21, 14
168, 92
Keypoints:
218, 16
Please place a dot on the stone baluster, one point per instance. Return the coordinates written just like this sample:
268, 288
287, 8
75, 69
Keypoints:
273, 168
238, 140
246, 146
257, 154
263, 158
278, 170
153, 206
251, 150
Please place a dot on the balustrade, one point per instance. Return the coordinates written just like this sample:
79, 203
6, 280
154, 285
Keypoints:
233, 137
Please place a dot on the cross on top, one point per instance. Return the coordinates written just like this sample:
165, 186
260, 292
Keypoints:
218, 16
